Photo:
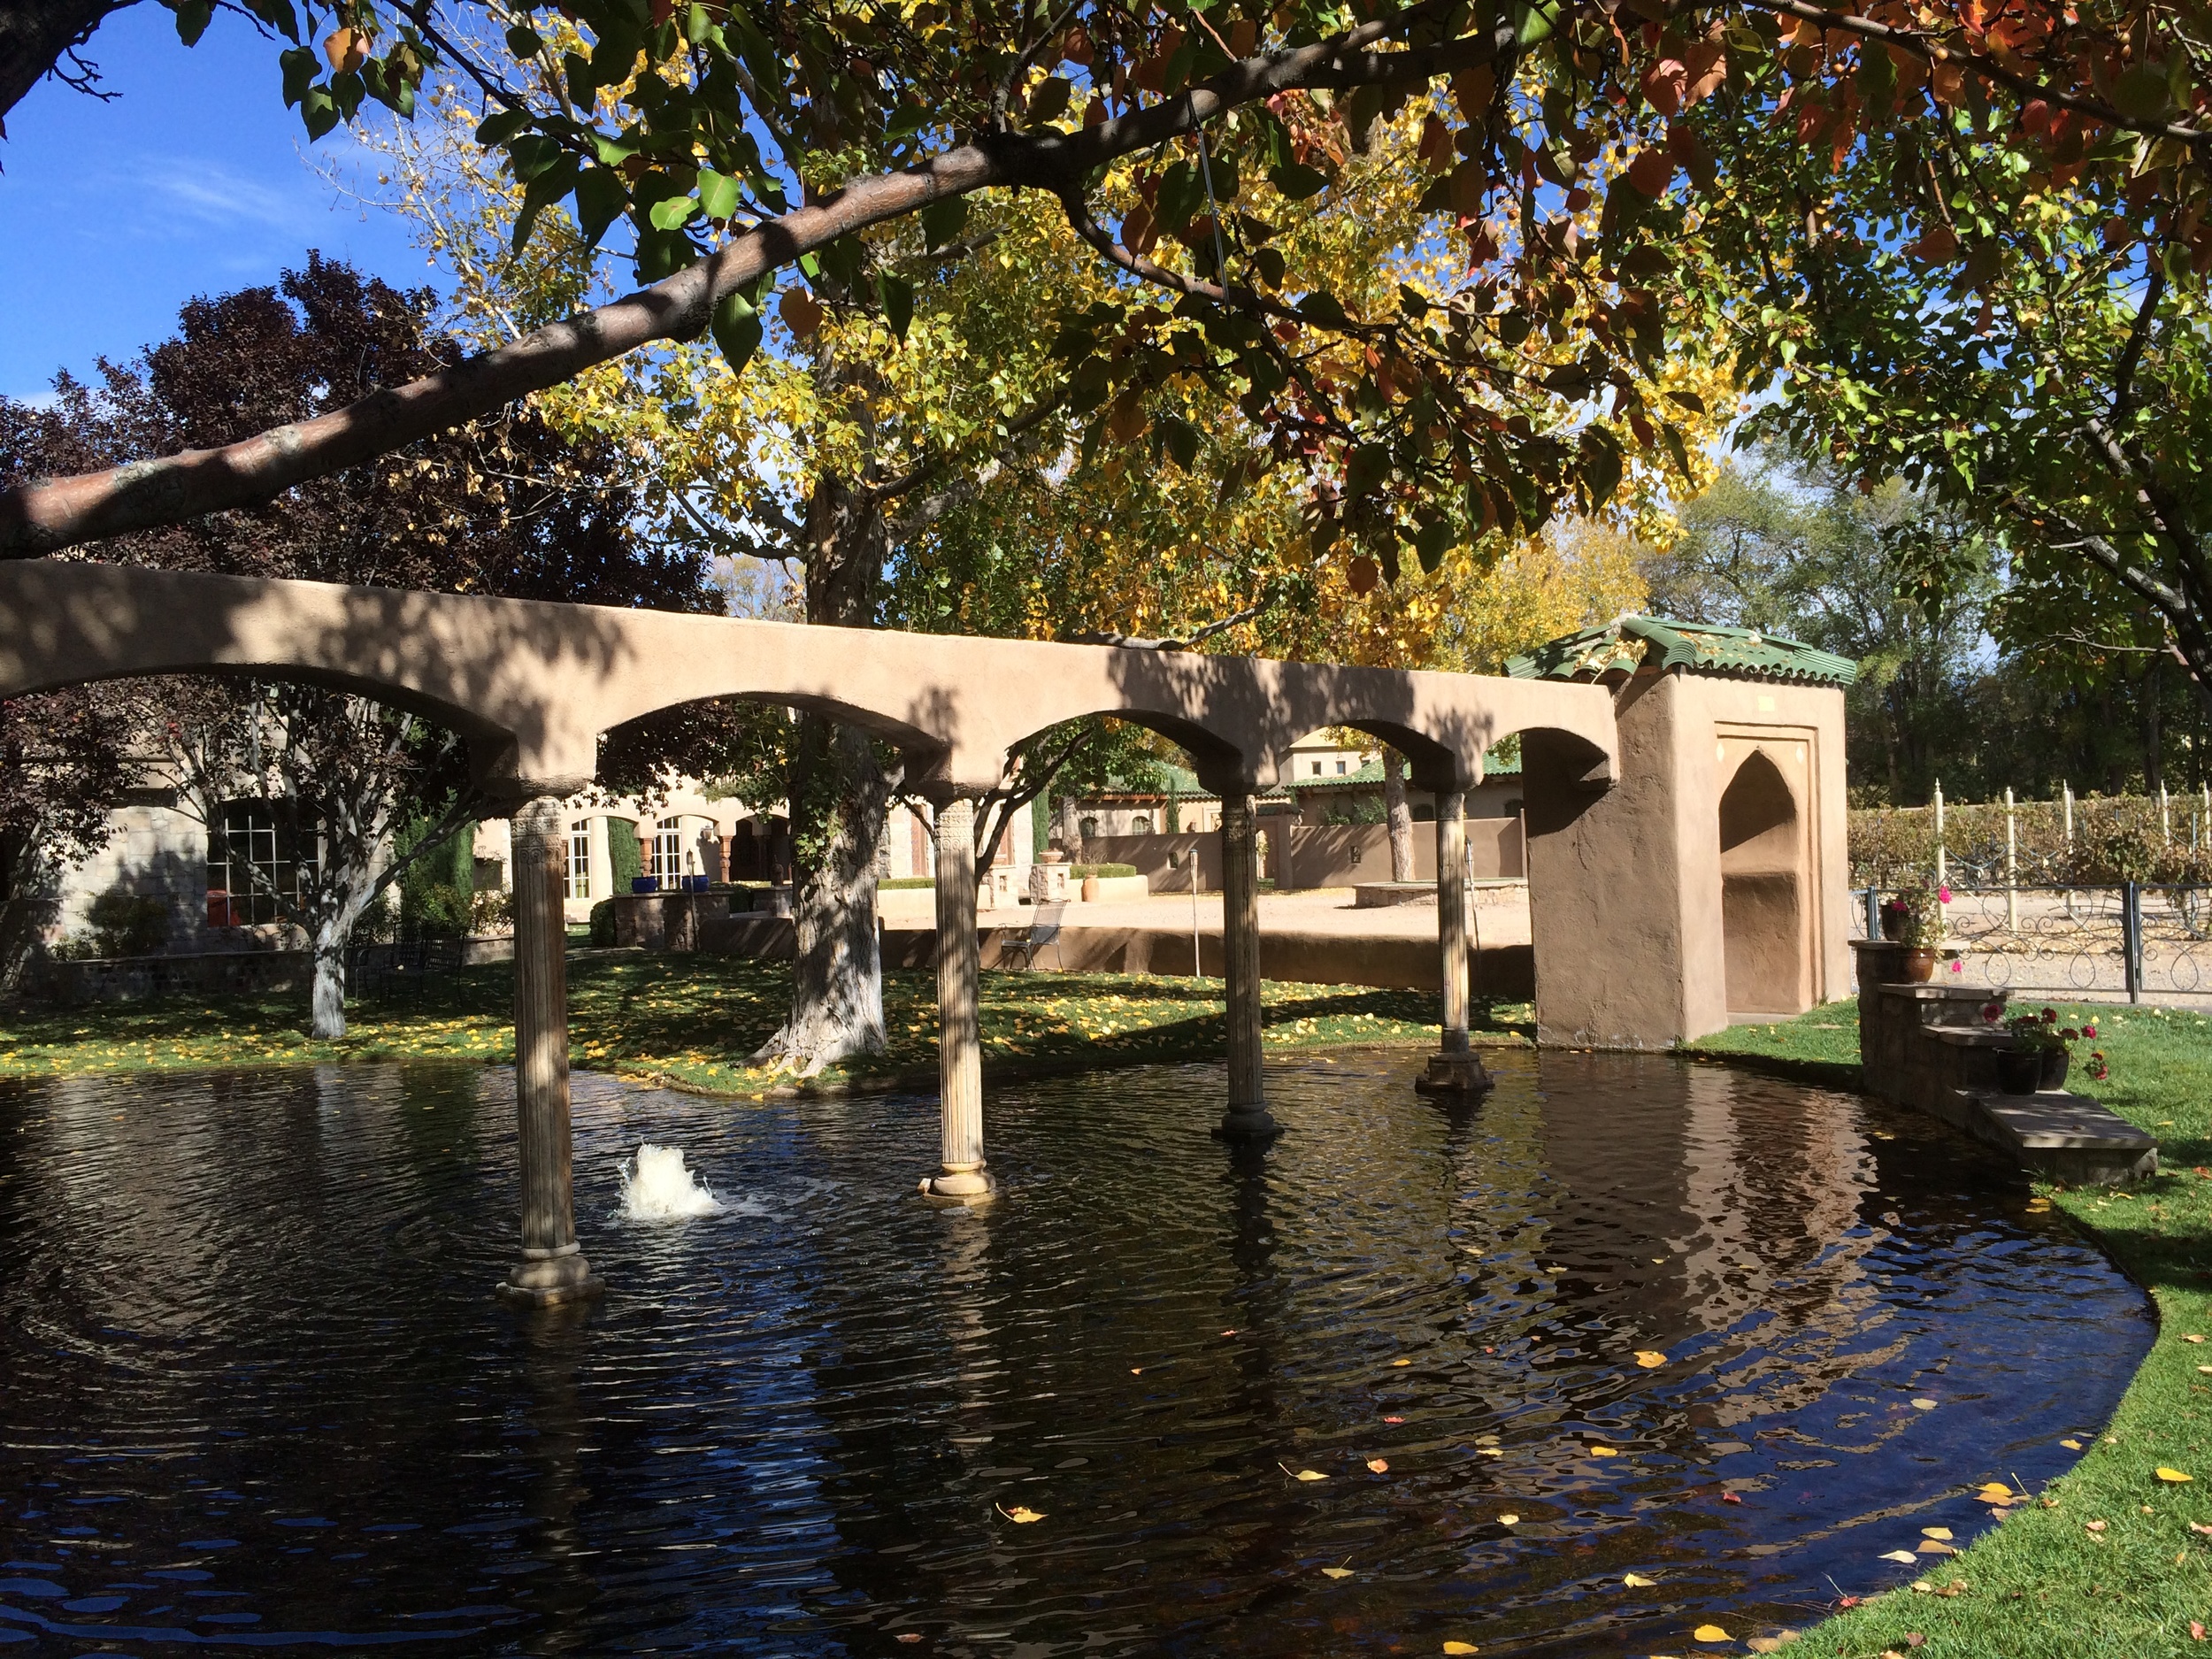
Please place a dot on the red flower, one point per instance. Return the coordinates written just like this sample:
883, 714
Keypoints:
2050, 1017
2089, 1031
1992, 1012
2071, 1034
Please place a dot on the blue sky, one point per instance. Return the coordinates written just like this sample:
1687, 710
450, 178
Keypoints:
195, 180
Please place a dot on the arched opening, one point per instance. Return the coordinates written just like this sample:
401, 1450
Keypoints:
1764, 889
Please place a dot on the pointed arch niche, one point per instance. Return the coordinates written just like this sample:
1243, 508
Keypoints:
1766, 876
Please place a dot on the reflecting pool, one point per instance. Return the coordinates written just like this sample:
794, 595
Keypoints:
258, 1390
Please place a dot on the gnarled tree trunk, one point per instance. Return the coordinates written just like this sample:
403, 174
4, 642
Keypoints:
840, 802
1399, 815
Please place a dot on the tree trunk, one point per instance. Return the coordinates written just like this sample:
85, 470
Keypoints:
840, 802
1399, 815
2153, 695
35, 33
330, 982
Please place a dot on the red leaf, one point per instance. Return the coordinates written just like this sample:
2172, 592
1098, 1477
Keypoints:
1648, 174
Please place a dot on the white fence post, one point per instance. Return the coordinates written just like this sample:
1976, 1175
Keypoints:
2012, 867
2165, 821
1939, 865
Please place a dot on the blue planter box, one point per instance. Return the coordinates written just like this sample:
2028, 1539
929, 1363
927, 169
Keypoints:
645, 884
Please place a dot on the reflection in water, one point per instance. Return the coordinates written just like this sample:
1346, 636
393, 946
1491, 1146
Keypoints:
257, 1386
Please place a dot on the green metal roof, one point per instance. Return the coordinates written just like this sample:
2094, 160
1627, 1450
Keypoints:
1627, 644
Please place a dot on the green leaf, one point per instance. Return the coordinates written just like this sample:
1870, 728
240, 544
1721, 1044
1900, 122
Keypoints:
1181, 438
542, 192
1049, 101
896, 295
300, 66
523, 41
736, 328
320, 111
192, 16
1434, 540
698, 23
674, 214
1297, 181
1321, 308
1690, 400
494, 129
1271, 265
1535, 24
601, 196
717, 193
279, 15
943, 219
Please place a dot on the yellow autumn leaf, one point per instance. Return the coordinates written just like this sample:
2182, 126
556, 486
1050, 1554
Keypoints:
1708, 1633
1020, 1515
1401, 1361
1508, 1520
1336, 1572
1904, 1556
2173, 1477
1461, 1646
1637, 1581
2071, 1446
1603, 1451
1650, 1359
1311, 1474
1379, 1465
1943, 1532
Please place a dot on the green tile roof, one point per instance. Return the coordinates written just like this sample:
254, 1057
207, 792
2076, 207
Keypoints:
1628, 644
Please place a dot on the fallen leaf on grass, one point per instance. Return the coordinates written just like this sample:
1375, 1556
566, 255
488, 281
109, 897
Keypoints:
1650, 1359
2201, 1528
2174, 1477
1709, 1633
1379, 1465
1637, 1581
1020, 1515
2196, 1630
2093, 1526
2193, 1338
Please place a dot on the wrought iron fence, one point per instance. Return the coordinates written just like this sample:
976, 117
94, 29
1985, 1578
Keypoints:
2141, 942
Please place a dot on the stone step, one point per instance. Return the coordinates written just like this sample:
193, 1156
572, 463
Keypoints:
2062, 1135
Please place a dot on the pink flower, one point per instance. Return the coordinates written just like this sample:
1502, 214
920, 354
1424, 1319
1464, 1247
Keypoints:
1943, 896
1958, 967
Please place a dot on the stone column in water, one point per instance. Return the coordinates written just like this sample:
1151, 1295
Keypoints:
1454, 1069
1247, 1117
963, 1179
552, 1269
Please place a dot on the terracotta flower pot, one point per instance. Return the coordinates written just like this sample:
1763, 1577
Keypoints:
1920, 964
1090, 889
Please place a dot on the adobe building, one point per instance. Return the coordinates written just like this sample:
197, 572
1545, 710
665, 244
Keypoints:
1712, 880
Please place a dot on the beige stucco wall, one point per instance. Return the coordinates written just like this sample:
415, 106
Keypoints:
1626, 894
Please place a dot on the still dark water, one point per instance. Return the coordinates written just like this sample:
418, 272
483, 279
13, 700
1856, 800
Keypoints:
256, 1392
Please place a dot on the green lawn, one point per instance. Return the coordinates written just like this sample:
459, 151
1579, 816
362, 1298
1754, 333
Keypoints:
691, 1021
2051, 1582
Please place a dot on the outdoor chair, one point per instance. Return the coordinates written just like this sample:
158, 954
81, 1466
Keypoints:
1043, 929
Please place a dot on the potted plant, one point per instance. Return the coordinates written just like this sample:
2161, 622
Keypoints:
1894, 914
2042, 1053
1920, 928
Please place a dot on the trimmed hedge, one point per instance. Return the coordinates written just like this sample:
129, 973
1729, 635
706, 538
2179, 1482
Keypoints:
1104, 872
2116, 838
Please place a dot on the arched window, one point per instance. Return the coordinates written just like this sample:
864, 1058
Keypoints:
1141, 824
1089, 827
668, 853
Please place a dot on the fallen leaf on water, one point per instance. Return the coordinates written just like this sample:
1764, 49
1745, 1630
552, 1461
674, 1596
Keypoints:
1228, 1333
1650, 1359
2071, 1446
1730, 1497
1923, 1405
1929, 1546
1943, 1532
1393, 1419
1848, 1601
1603, 1451
1379, 1465
1637, 1581
2174, 1477
1709, 1633
1508, 1520
1904, 1555
1401, 1361
1995, 1491
1020, 1515
1311, 1474
910, 1635
1136, 1371
1461, 1646
1336, 1572
1489, 1451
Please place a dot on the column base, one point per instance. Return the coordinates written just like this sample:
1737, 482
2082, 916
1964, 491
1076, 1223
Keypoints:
959, 1189
1246, 1124
545, 1279
1454, 1074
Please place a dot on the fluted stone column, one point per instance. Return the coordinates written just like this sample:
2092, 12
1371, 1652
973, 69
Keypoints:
963, 1179
1247, 1117
1455, 1068
553, 1268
